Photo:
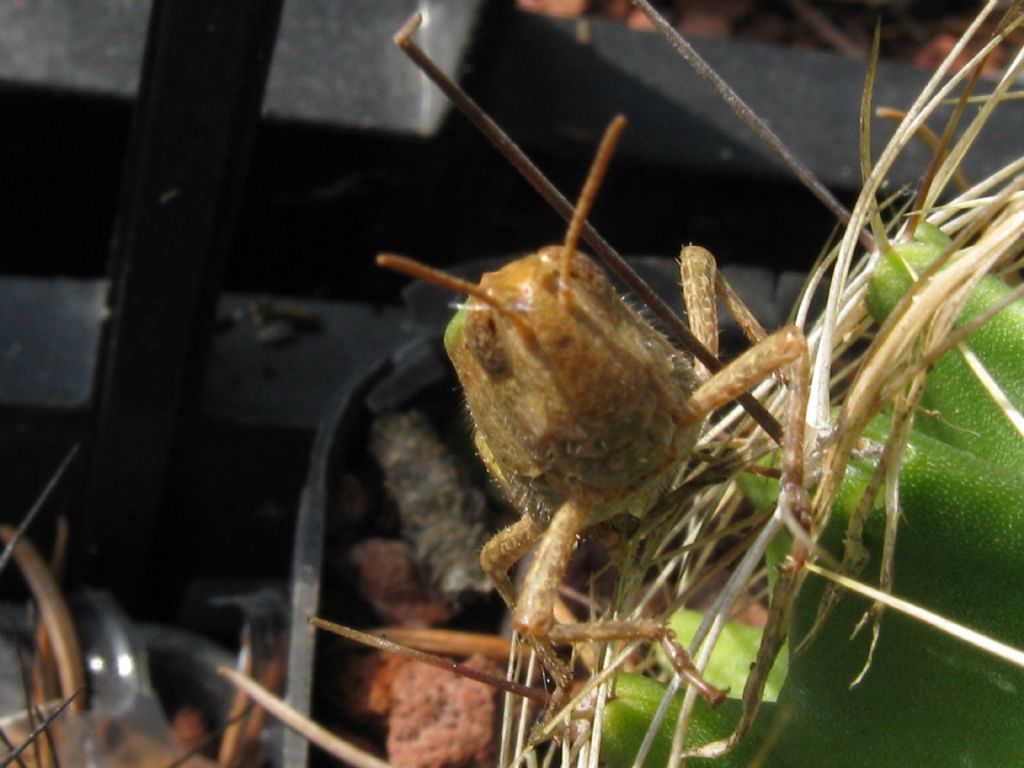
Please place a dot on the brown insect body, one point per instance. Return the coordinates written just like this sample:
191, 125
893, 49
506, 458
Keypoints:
584, 412
574, 395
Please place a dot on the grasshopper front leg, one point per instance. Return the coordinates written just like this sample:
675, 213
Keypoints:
533, 614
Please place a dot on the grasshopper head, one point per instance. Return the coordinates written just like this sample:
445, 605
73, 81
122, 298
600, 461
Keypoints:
572, 392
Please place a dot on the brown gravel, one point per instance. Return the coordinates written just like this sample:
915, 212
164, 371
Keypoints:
440, 720
388, 579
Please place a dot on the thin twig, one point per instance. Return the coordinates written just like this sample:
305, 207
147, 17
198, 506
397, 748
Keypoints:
39, 729
10, 748
40, 502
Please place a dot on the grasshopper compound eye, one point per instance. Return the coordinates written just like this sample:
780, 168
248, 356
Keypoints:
484, 341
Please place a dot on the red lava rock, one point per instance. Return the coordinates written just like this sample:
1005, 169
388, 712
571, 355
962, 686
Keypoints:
710, 18
638, 20
387, 578
564, 8
440, 720
931, 54
705, 24
618, 10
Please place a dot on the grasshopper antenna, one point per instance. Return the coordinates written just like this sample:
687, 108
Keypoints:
436, 277
452, 283
590, 187
508, 148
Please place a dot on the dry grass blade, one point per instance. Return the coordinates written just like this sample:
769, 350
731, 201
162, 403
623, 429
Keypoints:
941, 623
927, 312
447, 641
39, 503
327, 741
932, 95
893, 368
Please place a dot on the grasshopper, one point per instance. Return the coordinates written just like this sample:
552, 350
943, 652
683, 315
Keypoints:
585, 414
